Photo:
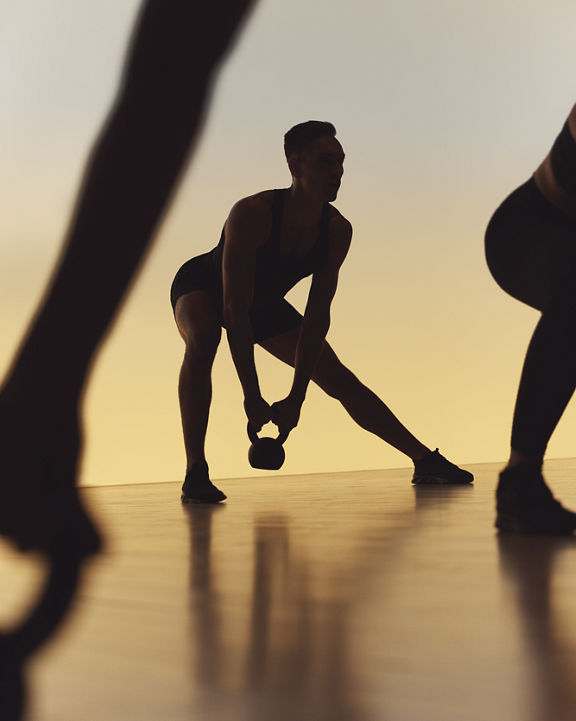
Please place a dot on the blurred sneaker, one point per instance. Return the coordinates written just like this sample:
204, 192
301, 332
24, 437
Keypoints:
525, 504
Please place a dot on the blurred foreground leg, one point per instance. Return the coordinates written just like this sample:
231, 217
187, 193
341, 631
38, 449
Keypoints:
130, 177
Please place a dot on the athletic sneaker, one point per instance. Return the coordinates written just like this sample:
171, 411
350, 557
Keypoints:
525, 504
435, 469
198, 487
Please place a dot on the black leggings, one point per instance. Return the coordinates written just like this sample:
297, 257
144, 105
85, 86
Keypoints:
531, 252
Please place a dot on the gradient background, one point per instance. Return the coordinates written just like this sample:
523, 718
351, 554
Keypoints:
442, 108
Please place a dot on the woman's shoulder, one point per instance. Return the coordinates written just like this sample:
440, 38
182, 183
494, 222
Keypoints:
260, 203
339, 225
251, 218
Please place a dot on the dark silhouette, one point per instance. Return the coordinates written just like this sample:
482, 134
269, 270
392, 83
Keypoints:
270, 241
531, 252
128, 183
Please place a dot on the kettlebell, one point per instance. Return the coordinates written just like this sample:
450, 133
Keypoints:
265, 453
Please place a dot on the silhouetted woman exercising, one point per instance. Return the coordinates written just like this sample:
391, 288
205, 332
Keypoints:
270, 241
531, 252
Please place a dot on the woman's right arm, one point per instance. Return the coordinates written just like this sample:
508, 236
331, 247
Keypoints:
246, 229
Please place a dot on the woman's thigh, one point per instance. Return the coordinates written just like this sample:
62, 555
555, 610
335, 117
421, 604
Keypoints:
330, 373
198, 322
273, 320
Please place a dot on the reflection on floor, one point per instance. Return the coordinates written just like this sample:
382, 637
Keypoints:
331, 597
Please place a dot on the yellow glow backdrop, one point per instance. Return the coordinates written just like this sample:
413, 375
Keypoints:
443, 108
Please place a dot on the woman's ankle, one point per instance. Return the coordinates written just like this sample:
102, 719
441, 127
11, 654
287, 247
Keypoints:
517, 458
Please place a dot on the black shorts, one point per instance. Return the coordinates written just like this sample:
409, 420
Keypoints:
268, 318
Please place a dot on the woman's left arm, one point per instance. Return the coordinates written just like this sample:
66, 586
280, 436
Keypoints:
315, 326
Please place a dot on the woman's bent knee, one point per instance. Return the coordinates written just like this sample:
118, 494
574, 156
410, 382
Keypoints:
199, 326
202, 347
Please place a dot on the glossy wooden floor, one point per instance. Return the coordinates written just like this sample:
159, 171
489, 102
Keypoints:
346, 597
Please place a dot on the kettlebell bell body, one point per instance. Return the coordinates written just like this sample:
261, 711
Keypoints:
265, 453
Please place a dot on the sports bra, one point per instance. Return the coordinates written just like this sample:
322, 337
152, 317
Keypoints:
275, 274
556, 175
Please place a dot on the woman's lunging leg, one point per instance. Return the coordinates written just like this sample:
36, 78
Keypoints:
547, 382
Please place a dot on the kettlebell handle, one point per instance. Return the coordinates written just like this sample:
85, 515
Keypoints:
253, 435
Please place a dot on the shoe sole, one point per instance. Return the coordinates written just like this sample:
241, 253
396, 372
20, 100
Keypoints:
187, 499
437, 481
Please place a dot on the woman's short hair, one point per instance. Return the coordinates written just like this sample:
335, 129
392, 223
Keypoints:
298, 137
